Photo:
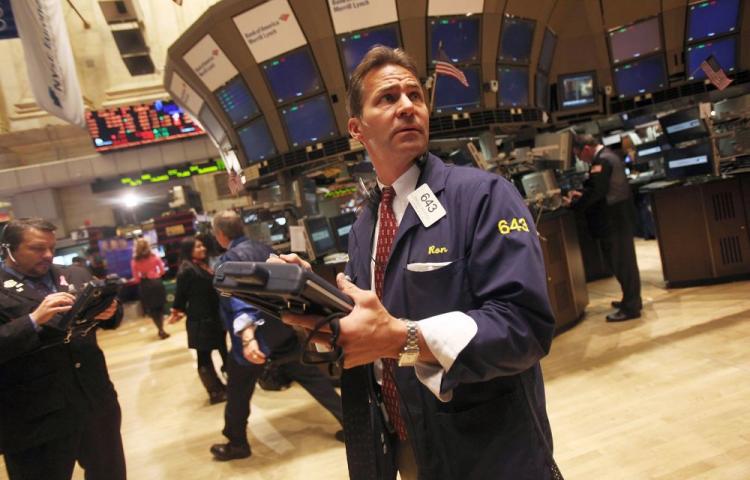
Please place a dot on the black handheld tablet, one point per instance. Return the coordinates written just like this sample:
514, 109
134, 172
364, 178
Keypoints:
96, 296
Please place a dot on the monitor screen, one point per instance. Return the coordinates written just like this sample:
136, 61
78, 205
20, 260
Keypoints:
237, 101
548, 51
249, 217
279, 228
320, 235
576, 90
642, 76
514, 86
211, 125
611, 140
341, 226
256, 141
452, 96
309, 121
458, 36
516, 39
689, 162
293, 75
542, 91
649, 150
709, 19
683, 125
354, 46
634, 41
724, 51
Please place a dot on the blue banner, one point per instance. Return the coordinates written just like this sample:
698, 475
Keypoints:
7, 22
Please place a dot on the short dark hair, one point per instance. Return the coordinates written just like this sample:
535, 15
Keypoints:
13, 233
229, 223
581, 140
377, 57
79, 260
186, 249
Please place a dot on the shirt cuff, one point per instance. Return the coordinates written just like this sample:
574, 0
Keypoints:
243, 321
446, 335
37, 327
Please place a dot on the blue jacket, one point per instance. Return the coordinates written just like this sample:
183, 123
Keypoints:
496, 275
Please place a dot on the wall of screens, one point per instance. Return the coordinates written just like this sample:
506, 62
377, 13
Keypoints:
452, 96
256, 141
576, 90
710, 19
237, 101
548, 51
541, 91
209, 122
293, 76
515, 40
639, 77
723, 49
354, 46
635, 41
458, 36
309, 121
514, 86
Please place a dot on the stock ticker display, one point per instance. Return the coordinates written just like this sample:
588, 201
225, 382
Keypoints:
125, 127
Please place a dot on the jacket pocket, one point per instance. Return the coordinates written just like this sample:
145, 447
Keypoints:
435, 288
32, 399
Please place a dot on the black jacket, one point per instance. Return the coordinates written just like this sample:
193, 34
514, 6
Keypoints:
46, 386
195, 295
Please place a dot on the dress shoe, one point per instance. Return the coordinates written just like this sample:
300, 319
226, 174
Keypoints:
217, 397
616, 304
339, 436
621, 316
226, 451
163, 335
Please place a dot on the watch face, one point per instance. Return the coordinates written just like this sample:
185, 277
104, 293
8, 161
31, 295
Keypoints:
408, 359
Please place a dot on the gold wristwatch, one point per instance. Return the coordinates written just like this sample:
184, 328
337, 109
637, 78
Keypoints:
410, 354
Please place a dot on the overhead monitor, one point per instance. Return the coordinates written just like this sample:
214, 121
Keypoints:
691, 161
211, 125
309, 121
452, 96
649, 150
548, 51
635, 40
293, 75
709, 19
353, 46
459, 37
320, 235
575, 90
237, 101
541, 92
724, 51
341, 226
639, 77
516, 39
514, 86
256, 141
683, 125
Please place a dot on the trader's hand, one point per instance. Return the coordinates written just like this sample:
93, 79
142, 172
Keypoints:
290, 258
175, 316
52, 304
108, 313
250, 348
567, 200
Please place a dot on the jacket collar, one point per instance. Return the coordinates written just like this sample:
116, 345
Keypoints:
14, 283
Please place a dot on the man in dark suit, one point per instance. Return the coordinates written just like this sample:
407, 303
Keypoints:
607, 202
57, 403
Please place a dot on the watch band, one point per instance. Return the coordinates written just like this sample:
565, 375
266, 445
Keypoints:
410, 354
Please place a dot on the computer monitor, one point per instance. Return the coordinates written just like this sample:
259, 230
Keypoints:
724, 51
292, 75
613, 140
516, 39
576, 90
279, 228
341, 226
237, 101
256, 141
689, 161
459, 37
211, 125
249, 217
355, 45
541, 91
514, 86
709, 19
649, 150
642, 76
635, 40
548, 51
321, 237
452, 96
683, 125
309, 121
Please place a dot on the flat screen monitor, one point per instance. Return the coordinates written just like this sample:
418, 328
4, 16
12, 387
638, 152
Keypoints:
635, 41
354, 46
309, 121
293, 75
542, 91
610, 123
516, 39
514, 86
708, 19
642, 76
279, 228
452, 96
459, 37
320, 235
237, 101
612, 140
249, 217
689, 162
256, 141
341, 226
211, 125
683, 125
724, 51
548, 51
576, 90
649, 150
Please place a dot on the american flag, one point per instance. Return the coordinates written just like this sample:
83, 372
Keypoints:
715, 73
443, 66
234, 182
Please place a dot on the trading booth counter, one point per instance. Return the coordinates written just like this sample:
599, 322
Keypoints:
702, 229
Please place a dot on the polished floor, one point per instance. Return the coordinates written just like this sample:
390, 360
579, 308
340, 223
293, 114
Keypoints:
662, 397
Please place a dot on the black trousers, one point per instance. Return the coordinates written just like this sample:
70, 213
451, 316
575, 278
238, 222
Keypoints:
96, 445
241, 382
619, 251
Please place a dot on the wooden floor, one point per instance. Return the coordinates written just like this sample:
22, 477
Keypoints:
663, 397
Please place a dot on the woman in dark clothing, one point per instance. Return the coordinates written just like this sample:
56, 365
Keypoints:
147, 270
196, 297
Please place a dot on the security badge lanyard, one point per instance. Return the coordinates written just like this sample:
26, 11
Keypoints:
425, 203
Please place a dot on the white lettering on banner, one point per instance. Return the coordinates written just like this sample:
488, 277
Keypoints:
350, 15
270, 29
210, 63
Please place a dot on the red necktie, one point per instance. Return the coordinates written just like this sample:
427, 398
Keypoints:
386, 234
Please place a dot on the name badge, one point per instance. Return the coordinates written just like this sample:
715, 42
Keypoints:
425, 203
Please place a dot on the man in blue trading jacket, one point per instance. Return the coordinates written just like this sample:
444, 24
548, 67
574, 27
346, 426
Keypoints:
254, 340
459, 301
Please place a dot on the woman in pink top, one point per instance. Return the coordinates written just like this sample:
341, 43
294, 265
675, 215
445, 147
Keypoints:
147, 270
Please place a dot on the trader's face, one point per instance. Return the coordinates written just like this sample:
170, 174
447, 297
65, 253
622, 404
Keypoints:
585, 154
33, 256
199, 251
394, 125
